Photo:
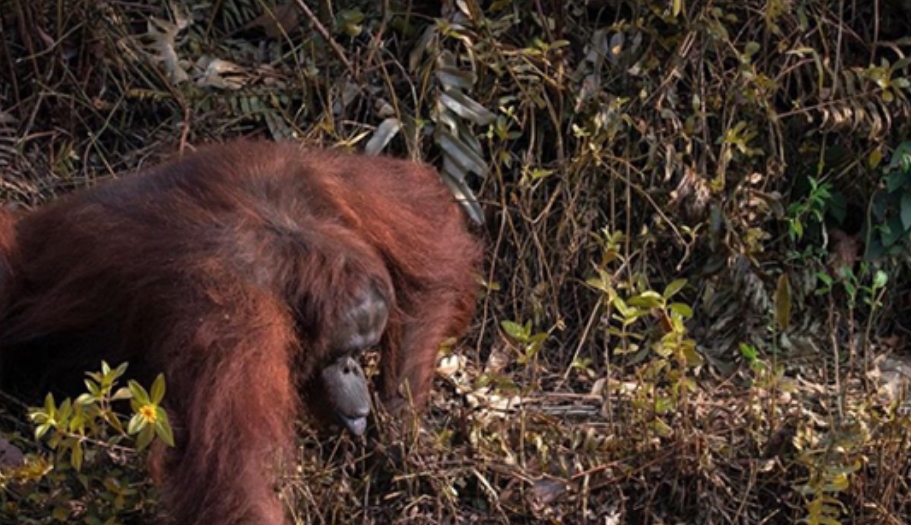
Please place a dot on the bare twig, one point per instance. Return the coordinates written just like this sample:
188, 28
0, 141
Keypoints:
336, 49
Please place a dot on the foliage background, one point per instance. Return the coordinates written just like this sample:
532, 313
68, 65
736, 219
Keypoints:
696, 214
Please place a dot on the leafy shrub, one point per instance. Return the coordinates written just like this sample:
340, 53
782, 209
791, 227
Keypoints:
89, 468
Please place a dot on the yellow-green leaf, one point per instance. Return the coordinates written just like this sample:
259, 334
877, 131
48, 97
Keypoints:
783, 302
677, 8
673, 288
163, 428
875, 158
158, 389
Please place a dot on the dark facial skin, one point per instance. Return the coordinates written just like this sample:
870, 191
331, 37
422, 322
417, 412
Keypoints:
343, 380
346, 388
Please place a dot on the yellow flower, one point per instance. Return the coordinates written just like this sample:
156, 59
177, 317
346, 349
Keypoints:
147, 413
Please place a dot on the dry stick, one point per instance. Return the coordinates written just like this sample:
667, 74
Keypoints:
321, 29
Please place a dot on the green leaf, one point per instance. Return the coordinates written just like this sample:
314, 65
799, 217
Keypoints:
797, 228
894, 182
515, 331
875, 158
906, 210
748, 351
77, 455
85, 399
145, 437
677, 7
665, 404
880, 279
692, 356
892, 231
77, 424
673, 288
647, 299
93, 388
751, 48
140, 396
49, 406
137, 423
163, 427
682, 309
901, 157
539, 337
850, 289
349, 20
122, 394
158, 390
64, 411
598, 283
625, 311
874, 248
41, 430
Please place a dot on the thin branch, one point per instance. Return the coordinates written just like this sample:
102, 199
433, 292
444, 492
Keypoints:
336, 49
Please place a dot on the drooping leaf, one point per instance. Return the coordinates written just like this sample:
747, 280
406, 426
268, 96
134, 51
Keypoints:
384, 133
466, 107
453, 77
163, 427
461, 154
421, 47
463, 194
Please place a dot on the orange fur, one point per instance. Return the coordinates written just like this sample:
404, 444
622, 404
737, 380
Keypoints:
227, 270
